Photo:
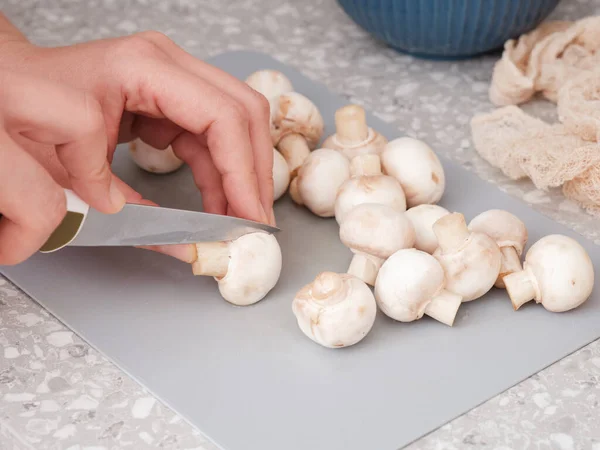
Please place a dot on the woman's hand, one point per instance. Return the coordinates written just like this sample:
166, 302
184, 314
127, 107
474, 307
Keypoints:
150, 88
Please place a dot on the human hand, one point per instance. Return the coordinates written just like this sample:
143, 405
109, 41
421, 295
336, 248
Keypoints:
150, 88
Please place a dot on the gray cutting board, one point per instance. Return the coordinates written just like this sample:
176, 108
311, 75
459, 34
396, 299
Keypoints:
248, 378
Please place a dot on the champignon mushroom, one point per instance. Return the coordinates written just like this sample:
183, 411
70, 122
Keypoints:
368, 185
246, 268
319, 180
509, 232
296, 128
270, 83
152, 159
281, 175
557, 272
335, 310
471, 260
423, 217
374, 232
352, 135
411, 283
418, 169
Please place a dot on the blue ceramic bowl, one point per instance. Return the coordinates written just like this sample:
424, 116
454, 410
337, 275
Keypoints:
447, 29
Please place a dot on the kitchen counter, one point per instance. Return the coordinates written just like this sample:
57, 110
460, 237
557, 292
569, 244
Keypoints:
57, 392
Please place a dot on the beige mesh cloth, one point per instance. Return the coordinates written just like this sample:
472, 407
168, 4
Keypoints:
560, 60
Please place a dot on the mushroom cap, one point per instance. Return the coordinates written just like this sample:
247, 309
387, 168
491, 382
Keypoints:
154, 160
292, 112
281, 175
406, 284
335, 310
380, 189
503, 227
423, 217
270, 83
562, 270
254, 268
377, 230
472, 270
414, 164
373, 144
320, 178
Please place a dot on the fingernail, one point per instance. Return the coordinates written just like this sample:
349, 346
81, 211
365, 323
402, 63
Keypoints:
261, 211
272, 220
116, 196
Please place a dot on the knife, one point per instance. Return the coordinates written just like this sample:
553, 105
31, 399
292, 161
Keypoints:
138, 225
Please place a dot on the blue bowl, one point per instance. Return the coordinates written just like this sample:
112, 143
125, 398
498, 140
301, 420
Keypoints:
447, 29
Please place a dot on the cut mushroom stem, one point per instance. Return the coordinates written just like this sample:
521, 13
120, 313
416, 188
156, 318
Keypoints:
351, 125
295, 150
365, 267
212, 259
511, 262
521, 288
452, 232
444, 307
365, 165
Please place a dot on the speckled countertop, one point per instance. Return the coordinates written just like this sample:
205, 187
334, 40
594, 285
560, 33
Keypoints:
58, 393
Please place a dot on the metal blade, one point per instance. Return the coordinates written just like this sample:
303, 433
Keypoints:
149, 225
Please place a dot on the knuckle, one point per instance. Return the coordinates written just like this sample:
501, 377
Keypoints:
134, 46
93, 119
260, 106
235, 113
155, 36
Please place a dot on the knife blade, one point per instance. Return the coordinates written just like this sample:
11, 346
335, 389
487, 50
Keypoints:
137, 225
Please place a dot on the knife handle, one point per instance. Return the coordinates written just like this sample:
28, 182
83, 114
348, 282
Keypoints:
68, 229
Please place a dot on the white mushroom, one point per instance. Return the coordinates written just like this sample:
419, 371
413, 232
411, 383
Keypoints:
246, 269
423, 217
374, 232
368, 185
319, 180
557, 272
411, 283
509, 232
352, 135
296, 128
154, 160
270, 83
418, 169
471, 260
281, 175
335, 310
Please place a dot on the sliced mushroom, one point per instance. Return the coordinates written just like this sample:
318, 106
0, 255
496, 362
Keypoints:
374, 232
368, 185
335, 310
557, 272
296, 128
152, 159
509, 232
352, 135
319, 180
281, 175
246, 269
411, 283
423, 217
471, 260
418, 169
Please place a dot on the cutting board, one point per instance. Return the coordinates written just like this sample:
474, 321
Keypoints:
247, 377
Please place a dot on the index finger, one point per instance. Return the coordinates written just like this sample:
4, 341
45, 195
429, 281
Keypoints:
200, 108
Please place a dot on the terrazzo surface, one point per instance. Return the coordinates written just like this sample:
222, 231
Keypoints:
58, 393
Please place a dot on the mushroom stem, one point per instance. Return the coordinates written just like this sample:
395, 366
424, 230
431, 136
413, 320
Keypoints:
444, 307
294, 192
365, 165
351, 124
511, 263
295, 150
329, 288
212, 259
451, 231
365, 267
520, 287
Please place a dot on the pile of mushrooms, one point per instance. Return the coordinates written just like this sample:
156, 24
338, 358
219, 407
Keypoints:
407, 256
